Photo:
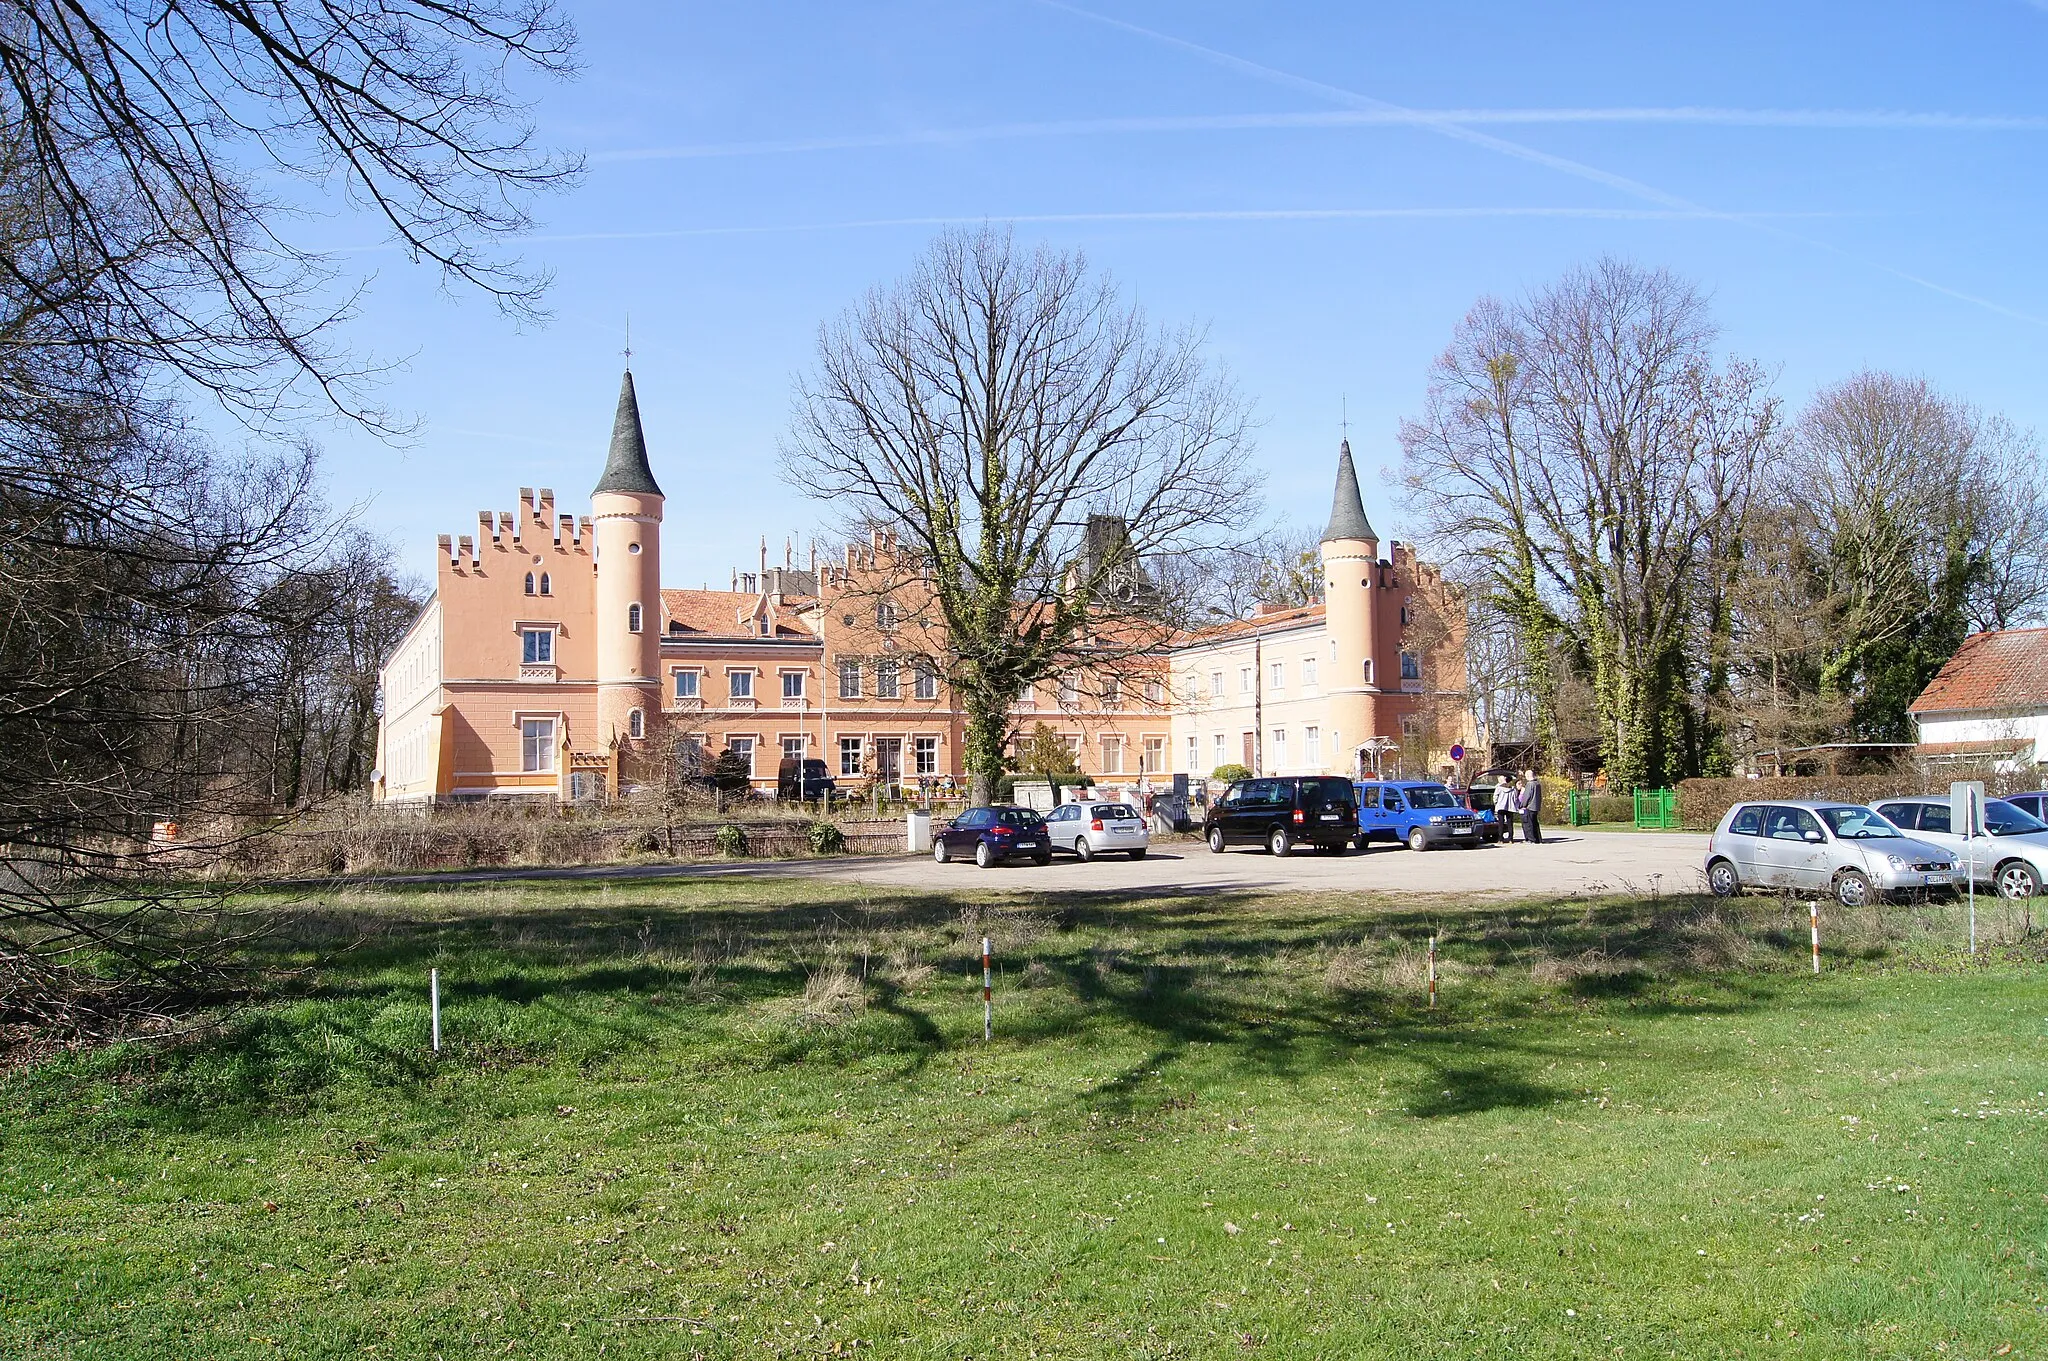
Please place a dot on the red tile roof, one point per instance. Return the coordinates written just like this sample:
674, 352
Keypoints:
2007, 669
1274, 621
725, 614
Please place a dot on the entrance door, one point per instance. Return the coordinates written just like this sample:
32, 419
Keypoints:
888, 759
1248, 754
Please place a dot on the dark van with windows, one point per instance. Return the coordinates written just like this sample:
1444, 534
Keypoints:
802, 780
1281, 812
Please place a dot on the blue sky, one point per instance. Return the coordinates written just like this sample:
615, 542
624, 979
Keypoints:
1327, 187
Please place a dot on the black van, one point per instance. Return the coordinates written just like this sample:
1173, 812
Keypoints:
1281, 812
802, 780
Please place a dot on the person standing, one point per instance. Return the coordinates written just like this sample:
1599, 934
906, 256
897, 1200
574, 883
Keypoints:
1532, 808
1504, 807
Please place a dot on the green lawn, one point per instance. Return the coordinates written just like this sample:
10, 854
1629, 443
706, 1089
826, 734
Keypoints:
757, 1117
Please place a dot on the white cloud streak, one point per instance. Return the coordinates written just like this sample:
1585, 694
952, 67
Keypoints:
1871, 120
1352, 99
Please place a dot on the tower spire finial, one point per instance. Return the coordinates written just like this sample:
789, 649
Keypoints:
629, 342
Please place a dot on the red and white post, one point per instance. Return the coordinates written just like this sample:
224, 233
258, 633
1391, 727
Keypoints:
1813, 914
987, 993
1432, 973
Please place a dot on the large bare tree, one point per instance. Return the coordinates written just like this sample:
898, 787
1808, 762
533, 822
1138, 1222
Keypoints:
1582, 448
1035, 441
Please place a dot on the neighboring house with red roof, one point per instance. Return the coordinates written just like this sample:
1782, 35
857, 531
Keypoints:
1989, 702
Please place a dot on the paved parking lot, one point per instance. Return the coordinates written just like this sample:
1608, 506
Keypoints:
1568, 862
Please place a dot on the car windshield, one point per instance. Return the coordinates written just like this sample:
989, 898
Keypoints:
1327, 792
1858, 824
1113, 810
1432, 798
1023, 817
2003, 819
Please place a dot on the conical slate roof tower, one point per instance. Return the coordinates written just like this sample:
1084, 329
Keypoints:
1347, 511
626, 469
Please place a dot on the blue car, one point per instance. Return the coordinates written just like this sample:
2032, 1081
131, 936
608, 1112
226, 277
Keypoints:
992, 836
1422, 813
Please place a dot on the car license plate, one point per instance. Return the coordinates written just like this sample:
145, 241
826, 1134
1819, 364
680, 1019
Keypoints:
1329, 817
1027, 845
1940, 878
1461, 831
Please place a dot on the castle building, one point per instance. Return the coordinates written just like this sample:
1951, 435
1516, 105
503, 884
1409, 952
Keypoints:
551, 664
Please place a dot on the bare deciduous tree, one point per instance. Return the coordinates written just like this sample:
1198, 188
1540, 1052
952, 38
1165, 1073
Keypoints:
1035, 442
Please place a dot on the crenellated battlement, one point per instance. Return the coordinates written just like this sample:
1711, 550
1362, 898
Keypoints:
535, 526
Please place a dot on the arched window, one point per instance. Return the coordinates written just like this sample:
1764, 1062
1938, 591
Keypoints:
544, 584
529, 583
636, 724
633, 617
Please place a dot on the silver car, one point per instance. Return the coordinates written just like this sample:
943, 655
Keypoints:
1088, 829
1805, 846
2013, 859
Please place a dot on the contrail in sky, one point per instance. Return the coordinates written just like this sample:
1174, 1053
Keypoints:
1352, 99
1834, 119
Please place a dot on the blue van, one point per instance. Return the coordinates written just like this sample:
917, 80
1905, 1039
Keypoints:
1422, 813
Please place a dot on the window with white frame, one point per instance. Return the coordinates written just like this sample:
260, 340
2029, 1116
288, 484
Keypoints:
689, 755
1194, 752
792, 748
1112, 690
1244, 680
1222, 751
849, 678
633, 617
1368, 671
1308, 671
740, 684
885, 615
1073, 741
1112, 754
687, 684
1277, 757
1070, 692
1411, 726
792, 685
1277, 677
849, 756
1411, 667
1155, 692
529, 583
926, 684
536, 646
537, 745
1312, 745
1153, 761
924, 755
742, 747
886, 685
636, 725
545, 585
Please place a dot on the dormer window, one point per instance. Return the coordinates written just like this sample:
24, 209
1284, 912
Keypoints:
633, 617
763, 622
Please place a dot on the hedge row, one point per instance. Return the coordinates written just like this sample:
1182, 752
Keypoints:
1702, 802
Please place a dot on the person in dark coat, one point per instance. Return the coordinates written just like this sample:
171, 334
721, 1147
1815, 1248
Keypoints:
1531, 801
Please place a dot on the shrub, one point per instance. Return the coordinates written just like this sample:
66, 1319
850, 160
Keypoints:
1231, 772
826, 838
731, 840
1702, 802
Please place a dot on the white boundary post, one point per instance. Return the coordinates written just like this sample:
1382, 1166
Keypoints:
1813, 913
1432, 973
987, 993
434, 1004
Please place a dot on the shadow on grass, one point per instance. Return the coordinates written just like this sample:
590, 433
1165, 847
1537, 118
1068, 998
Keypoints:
568, 972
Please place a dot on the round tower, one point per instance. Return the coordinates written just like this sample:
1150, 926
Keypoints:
1351, 576
625, 510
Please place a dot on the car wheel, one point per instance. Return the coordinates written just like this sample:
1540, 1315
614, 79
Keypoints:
1280, 843
1216, 840
1416, 840
1362, 841
2016, 879
1723, 880
1084, 849
940, 853
1852, 889
1042, 859
1138, 854
983, 856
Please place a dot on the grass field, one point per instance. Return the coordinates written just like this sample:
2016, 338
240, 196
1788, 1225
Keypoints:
756, 1117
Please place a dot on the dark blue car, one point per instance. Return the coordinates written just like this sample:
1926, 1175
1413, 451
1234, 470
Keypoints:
1422, 813
990, 836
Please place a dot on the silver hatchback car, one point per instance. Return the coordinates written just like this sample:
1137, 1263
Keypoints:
1807, 846
1089, 829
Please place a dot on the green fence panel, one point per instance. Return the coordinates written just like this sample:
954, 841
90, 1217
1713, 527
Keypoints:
1578, 808
1656, 810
